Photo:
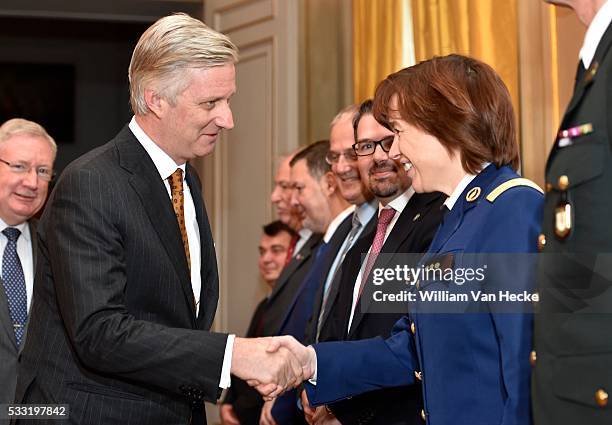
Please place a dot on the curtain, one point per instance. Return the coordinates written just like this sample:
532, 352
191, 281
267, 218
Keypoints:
377, 43
484, 29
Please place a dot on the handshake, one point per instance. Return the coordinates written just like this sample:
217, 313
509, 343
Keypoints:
274, 364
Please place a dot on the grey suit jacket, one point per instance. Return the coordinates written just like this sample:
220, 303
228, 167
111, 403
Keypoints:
113, 330
9, 351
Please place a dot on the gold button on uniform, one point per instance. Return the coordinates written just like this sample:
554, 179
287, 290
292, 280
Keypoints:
532, 358
563, 182
418, 375
541, 242
413, 328
423, 415
549, 187
601, 397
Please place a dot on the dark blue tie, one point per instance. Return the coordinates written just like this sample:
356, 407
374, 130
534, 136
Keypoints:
14, 283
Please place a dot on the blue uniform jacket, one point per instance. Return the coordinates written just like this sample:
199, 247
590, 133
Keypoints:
474, 366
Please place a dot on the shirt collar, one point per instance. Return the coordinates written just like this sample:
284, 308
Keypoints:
164, 164
24, 228
595, 32
366, 211
399, 203
304, 233
333, 226
465, 181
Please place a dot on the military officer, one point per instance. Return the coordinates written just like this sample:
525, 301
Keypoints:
572, 354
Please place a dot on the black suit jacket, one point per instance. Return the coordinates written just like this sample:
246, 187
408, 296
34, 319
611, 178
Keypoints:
9, 351
113, 330
287, 285
572, 354
412, 233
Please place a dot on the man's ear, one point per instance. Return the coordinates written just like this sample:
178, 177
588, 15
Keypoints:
154, 102
330, 184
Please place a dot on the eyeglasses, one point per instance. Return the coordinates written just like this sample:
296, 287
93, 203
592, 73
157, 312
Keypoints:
43, 173
368, 147
333, 157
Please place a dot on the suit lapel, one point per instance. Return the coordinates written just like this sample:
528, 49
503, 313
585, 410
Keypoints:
347, 272
591, 74
5, 316
295, 262
146, 182
402, 230
209, 293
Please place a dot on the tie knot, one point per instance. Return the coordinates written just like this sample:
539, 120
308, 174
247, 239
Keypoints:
386, 215
355, 221
11, 233
176, 180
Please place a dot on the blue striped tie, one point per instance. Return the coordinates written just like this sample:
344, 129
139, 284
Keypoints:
14, 283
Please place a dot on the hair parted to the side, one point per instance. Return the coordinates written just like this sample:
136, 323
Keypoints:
364, 109
17, 126
459, 100
168, 48
275, 227
314, 154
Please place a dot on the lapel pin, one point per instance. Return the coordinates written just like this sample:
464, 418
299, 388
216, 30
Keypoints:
473, 194
416, 217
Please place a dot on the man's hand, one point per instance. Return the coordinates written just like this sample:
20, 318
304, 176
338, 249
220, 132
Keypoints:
266, 417
306, 356
308, 411
228, 417
272, 372
323, 416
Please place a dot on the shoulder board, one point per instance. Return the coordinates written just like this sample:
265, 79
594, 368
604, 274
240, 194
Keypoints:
509, 184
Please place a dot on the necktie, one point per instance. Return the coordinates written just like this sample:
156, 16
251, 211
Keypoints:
14, 283
178, 203
291, 249
385, 217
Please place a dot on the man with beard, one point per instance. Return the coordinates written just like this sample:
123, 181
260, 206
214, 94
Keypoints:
407, 222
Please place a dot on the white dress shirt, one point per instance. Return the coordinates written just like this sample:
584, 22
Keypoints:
398, 204
24, 250
166, 167
595, 32
304, 234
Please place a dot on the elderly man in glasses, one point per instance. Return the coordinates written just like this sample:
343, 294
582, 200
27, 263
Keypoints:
27, 153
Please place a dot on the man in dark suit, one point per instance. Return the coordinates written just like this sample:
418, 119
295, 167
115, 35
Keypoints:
413, 221
27, 154
127, 282
572, 353
242, 403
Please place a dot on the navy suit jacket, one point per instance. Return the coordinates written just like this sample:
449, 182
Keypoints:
474, 366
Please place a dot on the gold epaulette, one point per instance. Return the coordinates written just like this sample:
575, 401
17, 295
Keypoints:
492, 196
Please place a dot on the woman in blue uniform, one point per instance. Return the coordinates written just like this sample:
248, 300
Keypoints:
455, 132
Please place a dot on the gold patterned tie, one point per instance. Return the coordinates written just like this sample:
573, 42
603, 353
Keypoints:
178, 203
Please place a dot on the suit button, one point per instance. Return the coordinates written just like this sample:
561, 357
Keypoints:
541, 242
418, 375
413, 328
549, 187
563, 182
423, 415
532, 358
601, 397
